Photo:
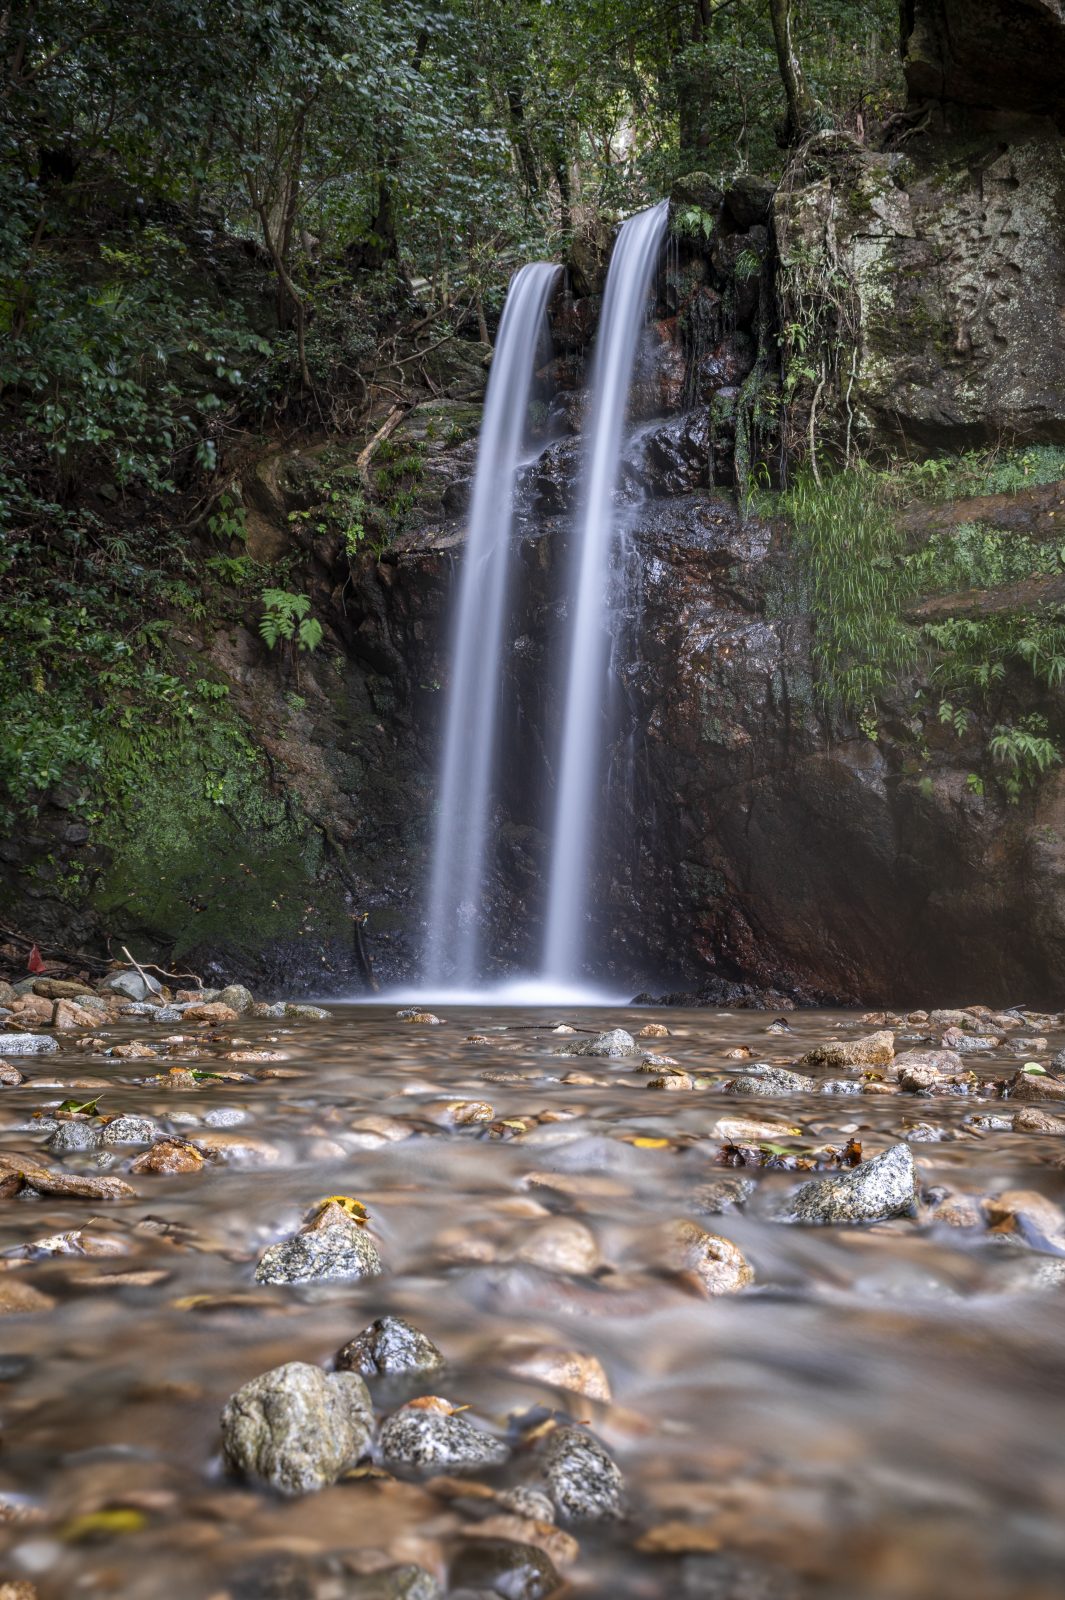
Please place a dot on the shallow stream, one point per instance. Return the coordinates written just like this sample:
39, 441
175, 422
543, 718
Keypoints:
879, 1414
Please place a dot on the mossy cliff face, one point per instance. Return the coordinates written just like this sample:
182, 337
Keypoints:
947, 262
924, 281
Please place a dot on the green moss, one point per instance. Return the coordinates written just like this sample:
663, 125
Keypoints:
203, 851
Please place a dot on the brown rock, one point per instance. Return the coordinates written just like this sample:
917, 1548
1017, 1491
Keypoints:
32, 1008
678, 1538
1028, 1214
562, 1244
25, 1171
168, 1157
18, 1299
210, 1011
460, 1113
959, 1211
713, 1264
65, 1014
874, 1050
561, 1547
238, 1148
581, 1185
563, 1369
1030, 1119
60, 988
653, 1030
1033, 1086
10, 1076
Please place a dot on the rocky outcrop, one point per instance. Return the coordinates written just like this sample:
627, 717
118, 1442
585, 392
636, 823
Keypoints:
945, 266
937, 263
1007, 54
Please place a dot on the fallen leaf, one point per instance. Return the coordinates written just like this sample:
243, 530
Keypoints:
678, 1538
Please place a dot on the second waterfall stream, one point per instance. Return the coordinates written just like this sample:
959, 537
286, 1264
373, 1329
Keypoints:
580, 765
455, 956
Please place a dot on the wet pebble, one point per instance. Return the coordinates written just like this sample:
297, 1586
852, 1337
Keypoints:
712, 1264
130, 1130
562, 1369
769, 1083
613, 1044
504, 1567
389, 1346
562, 1244
1028, 1215
27, 1044
421, 1440
406, 1582
74, 1135
1032, 1119
723, 1195
169, 1157
582, 1479
332, 1245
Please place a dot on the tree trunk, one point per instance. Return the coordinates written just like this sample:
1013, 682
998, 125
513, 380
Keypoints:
802, 107
519, 134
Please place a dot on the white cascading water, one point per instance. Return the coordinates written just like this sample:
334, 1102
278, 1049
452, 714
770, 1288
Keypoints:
580, 775
453, 952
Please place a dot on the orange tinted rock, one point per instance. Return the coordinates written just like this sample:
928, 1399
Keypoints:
210, 1011
169, 1157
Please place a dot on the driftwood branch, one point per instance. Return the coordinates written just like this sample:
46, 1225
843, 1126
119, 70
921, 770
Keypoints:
365, 456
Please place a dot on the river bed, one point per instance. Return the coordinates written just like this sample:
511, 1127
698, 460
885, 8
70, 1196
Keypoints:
877, 1414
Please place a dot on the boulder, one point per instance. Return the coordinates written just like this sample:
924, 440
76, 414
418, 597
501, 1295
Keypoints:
613, 1045
133, 985
874, 1050
885, 1186
297, 1428
236, 997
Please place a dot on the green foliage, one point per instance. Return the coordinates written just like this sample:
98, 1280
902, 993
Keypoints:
1024, 751
850, 551
974, 556
857, 576
286, 617
695, 222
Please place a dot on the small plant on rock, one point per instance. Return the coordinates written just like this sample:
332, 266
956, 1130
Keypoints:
286, 620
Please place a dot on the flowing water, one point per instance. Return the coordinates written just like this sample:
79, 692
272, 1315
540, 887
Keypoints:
580, 775
461, 847
877, 1415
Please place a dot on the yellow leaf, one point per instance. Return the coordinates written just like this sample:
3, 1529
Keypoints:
104, 1525
643, 1142
354, 1208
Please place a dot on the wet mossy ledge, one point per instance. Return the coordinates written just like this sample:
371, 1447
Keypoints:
187, 850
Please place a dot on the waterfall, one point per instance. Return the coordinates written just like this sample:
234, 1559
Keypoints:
580, 776
460, 847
